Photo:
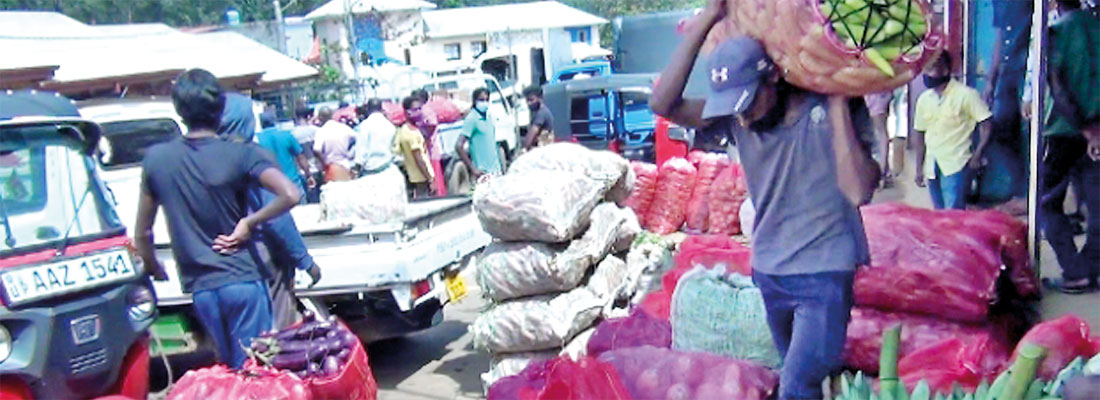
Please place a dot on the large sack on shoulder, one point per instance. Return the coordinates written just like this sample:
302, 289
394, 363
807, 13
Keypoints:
723, 314
610, 169
375, 198
536, 323
515, 269
542, 206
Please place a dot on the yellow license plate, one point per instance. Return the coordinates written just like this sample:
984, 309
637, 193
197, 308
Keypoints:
456, 287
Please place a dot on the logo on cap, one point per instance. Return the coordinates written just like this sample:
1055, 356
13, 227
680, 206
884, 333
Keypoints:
719, 75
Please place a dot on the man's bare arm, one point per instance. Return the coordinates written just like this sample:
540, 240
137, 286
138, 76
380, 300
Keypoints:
857, 172
464, 155
533, 132
985, 131
919, 150
287, 196
668, 97
143, 235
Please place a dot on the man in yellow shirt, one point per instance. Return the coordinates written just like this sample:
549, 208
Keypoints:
409, 142
944, 122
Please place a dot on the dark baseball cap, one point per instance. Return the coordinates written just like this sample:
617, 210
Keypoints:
737, 67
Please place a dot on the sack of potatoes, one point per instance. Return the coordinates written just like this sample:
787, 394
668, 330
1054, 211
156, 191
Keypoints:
847, 47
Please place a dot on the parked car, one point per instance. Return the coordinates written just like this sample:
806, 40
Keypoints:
76, 301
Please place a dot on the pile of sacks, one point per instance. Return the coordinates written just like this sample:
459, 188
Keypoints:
549, 272
702, 193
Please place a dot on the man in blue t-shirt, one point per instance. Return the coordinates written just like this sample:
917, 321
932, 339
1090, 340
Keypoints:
202, 182
287, 151
807, 171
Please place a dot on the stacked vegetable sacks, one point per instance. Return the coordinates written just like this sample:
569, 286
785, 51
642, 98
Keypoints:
549, 274
850, 47
702, 193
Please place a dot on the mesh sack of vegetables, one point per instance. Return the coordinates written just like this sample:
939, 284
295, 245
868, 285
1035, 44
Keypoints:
675, 180
504, 365
1064, 338
727, 193
849, 47
720, 313
536, 323
645, 186
947, 363
562, 378
325, 353
377, 198
446, 111
635, 330
929, 262
709, 165
655, 373
712, 251
863, 344
394, 112
540, 206
508, 270
608, 168
221, 382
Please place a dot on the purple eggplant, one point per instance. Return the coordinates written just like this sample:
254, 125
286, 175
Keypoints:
333, 333
314, 369
260, 346
294, 346
291, 361
308, 330
344, 354
331, 366
308, 316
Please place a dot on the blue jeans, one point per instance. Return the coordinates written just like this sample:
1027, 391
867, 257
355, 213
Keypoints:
281, 236
808, 316
950, 191
232, 315
1065, 163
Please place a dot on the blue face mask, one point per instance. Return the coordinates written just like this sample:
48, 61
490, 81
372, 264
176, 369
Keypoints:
481, 106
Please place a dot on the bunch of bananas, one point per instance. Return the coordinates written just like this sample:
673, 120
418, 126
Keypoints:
882, 29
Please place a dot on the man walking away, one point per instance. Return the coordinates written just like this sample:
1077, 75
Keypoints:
374, 139
1073, 146
202, 181
280, 236
478, 132
944, 121
409, 142
305, 132
540, 132
287, 151
333, 147
807, 173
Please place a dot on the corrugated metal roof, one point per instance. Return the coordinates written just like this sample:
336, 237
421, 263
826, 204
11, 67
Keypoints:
338, 8
515, 17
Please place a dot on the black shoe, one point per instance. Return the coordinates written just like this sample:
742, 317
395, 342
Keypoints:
1059, 284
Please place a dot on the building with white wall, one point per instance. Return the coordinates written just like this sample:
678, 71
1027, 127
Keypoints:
382, 30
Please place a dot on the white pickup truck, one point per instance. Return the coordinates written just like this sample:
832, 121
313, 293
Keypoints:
391, 279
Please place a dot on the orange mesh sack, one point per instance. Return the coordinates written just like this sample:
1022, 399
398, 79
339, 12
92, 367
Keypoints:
847, 47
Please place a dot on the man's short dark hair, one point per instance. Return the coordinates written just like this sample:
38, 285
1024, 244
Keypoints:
478, 92
533, 90
303, 113
421, 94
408, 101
199, 99
1069, 4
373, 106
944, 60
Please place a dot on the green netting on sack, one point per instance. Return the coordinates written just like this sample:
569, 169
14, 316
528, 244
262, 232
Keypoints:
884, 30
723, 314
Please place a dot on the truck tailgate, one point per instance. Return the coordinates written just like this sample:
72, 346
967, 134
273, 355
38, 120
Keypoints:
357, 257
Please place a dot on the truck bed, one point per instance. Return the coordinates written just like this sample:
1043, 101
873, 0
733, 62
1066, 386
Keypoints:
358, 257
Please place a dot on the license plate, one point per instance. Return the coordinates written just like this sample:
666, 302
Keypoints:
85, 329
47, 280
456, 287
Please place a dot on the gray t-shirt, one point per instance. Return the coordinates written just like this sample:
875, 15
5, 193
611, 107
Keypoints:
543, 118
804, 224
202, 185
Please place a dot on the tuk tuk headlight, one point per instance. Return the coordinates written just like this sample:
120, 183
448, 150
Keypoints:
142, 304
5, 343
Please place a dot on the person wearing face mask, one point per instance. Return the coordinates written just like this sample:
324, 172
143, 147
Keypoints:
808, 171
477, 131
409, 142
943, 125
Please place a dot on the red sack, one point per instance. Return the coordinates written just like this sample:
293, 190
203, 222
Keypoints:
946, 363
942, 263
446, 111
727, 193
710, 251
220, 382
709, 165
637, 329
657, 304
863, 344
394, 112
655, 373
675, 180
355, 381
1064, 338
645, 186
561, 379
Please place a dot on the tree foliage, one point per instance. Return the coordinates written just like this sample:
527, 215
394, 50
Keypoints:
171, 12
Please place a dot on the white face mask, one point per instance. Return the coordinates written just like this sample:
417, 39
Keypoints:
481, 106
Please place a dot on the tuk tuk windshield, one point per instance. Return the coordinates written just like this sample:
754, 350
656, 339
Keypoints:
49, 190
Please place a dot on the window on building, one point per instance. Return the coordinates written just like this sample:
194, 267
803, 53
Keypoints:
578, 35
453, 51
478, 47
